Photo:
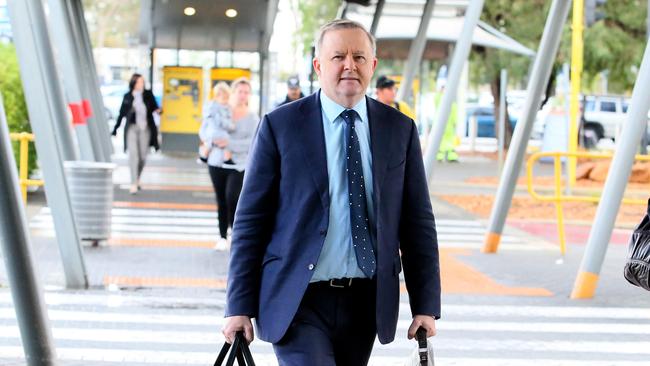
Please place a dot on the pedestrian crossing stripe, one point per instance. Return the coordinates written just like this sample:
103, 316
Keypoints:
197, 228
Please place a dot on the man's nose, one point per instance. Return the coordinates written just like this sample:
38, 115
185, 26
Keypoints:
349, 63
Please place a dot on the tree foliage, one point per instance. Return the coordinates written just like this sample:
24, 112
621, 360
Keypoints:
14, 99
616, 43
112, 23
522, 20
313, 15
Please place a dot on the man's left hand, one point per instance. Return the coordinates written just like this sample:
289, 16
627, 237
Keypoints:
425, 321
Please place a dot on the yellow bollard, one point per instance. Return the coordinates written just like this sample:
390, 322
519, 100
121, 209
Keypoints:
24, 138
558, 203
491, 243
585, 286
24, 164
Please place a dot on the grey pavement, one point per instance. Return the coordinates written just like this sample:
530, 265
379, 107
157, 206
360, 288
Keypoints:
488, 317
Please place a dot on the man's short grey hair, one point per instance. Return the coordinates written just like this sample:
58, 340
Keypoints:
343, 24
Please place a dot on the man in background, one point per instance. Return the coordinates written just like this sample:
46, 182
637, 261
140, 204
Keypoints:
386, 93
293, 90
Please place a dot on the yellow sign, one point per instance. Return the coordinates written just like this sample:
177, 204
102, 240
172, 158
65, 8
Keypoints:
182, 99
227, 75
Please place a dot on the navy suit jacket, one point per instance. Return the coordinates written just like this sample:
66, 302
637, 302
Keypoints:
282, 218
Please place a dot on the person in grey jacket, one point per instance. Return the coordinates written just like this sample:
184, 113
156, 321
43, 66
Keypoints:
227, 175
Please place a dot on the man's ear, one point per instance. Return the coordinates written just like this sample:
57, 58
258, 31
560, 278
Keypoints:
316, 63
374, 64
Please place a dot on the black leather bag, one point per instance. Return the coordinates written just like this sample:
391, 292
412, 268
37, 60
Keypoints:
637, 268
238, 350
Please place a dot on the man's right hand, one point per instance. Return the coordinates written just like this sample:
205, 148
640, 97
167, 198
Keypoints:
235, 324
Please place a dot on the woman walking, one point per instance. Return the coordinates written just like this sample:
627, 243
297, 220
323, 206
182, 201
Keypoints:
140, 132
227, 172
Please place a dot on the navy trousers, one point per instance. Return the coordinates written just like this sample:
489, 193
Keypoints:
333, 326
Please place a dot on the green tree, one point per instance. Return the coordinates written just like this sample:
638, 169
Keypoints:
313, 15
523, 20
112, 23
14, 99
615, 44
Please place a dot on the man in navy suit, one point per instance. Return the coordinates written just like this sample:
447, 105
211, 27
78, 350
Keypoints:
334, 190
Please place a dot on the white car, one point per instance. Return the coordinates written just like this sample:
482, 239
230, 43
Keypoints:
604, 116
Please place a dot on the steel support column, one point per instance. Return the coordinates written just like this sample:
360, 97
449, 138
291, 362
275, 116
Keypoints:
539, 78
14, 241
461, 53
75, 8
46, 108
415, 52
619, 173
71, 60
379, 8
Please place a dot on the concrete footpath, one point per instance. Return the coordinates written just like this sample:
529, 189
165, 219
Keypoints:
157, 286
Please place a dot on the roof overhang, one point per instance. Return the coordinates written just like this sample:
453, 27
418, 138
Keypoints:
400, 21
163, 24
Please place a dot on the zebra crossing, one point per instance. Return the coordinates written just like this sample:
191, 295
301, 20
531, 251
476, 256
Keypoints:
201, 225
113, 327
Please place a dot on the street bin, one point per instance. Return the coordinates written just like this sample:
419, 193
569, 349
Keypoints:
91, 191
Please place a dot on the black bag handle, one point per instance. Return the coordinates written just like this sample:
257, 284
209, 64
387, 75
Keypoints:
423, 348
238, 350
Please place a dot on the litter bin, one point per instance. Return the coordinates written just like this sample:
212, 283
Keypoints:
91, 191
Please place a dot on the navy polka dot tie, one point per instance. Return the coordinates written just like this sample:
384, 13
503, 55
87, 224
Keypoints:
357, 194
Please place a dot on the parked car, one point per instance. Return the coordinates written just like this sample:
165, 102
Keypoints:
484, 120
604, 116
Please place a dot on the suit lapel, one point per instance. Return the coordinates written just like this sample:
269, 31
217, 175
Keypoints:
313, 144
380, 132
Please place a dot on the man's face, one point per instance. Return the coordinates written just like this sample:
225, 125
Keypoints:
387, 95
345, 65
293, 93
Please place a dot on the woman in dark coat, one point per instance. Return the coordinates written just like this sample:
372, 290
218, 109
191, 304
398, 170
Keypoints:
140, 132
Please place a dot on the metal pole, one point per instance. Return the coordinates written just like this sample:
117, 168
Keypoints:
536, 85
97, 119
262, 107
626, 148
45, 105
379, 8
576, 75
644, 137
415, 52
461, 53
39, 36
151, 59
312, 71
502, 117
91, 75
70, 62
14, 242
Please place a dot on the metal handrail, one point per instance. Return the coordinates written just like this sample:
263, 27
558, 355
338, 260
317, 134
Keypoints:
558, 196
24, 138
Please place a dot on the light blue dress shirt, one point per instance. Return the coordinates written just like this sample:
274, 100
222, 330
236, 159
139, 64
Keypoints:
338, 259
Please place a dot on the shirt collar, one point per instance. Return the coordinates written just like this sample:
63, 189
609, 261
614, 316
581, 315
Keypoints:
332, 109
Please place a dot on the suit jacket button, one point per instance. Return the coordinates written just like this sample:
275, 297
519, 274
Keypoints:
311, 267
323, 232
